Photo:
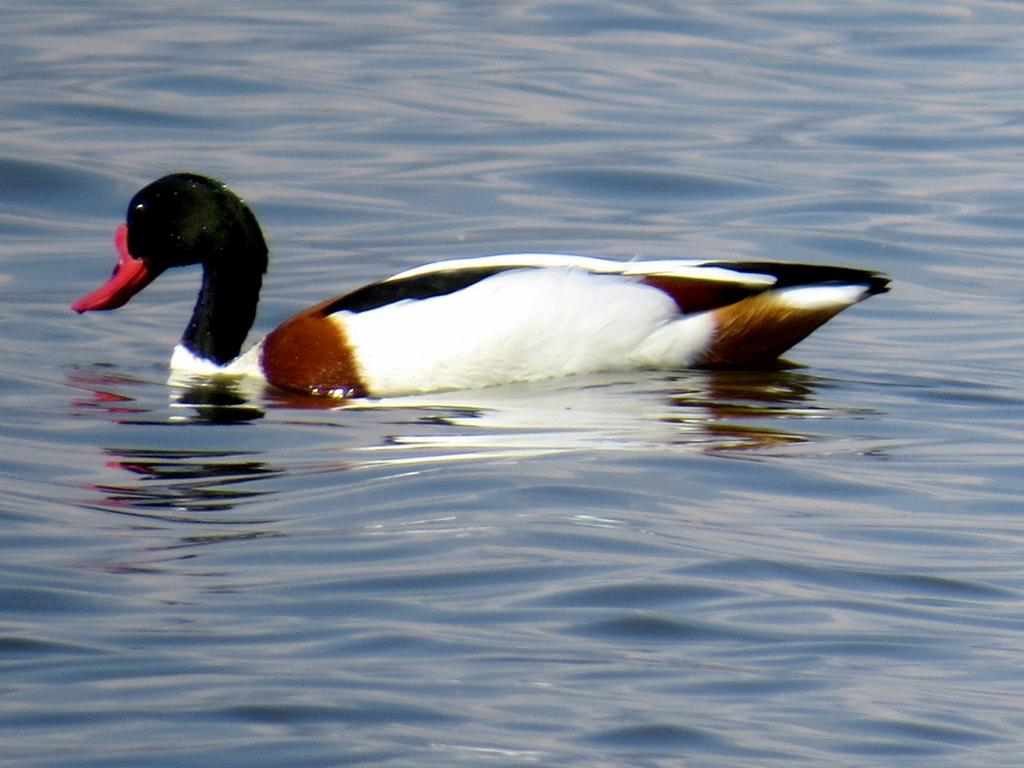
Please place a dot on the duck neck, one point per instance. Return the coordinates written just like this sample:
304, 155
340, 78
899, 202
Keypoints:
224, 313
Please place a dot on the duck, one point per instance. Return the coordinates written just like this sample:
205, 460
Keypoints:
463, 323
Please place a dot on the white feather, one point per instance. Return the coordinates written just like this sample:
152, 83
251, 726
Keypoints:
677, 267
822, 296
184, 361
528, 324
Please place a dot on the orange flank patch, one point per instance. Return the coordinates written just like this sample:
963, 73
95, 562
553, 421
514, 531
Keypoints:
310, 354
753, 333
695, 295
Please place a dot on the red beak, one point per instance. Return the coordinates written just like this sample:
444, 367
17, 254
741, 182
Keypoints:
130, 276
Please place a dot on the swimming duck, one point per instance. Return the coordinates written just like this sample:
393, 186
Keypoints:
463, 323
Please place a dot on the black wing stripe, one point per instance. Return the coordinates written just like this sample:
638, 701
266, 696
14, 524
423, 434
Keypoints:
422, 286
791, 275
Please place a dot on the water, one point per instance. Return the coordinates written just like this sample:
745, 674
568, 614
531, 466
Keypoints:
817, 566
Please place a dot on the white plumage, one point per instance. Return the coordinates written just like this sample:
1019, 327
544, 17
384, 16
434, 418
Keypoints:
519, 325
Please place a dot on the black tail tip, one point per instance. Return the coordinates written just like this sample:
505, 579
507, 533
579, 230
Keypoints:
878, 283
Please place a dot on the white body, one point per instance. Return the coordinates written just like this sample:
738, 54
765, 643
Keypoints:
521, 325
575, 315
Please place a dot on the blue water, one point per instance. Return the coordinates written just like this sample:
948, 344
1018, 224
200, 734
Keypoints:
819, 566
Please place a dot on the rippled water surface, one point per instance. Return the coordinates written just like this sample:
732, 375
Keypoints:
813, 566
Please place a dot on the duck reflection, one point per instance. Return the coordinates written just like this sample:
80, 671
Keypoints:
692, 410
192, 399
707, 411
198, 495
216, 403
106, 393
192, 469
184, 484
744, 410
